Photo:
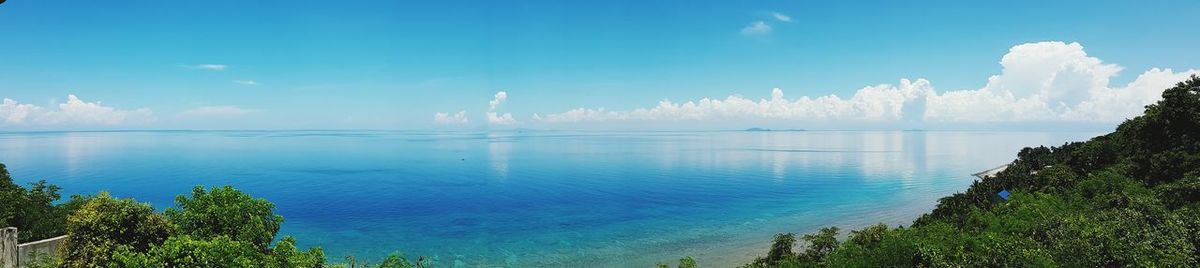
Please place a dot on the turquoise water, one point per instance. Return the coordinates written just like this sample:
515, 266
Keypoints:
536, 198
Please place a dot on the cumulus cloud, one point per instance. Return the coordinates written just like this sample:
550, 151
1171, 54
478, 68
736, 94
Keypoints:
209, 67
1039, 82
74, 112
504, 119
211, 111
246, 82
874, 103
448, 119
499, 119
1053, 81
16, 113
499, 98
781, 17
757, 28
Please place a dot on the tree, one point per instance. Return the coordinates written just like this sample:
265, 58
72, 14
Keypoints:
228, 212
105, 224
782, 248
32, 210
13, 195
687, 262
185, 251
285, 254
821, 244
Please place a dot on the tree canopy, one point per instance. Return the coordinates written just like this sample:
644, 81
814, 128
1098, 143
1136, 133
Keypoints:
226, 212
33, 210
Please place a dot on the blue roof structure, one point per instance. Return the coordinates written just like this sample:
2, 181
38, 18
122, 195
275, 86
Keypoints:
1003, 194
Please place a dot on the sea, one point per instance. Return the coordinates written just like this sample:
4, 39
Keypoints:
527, 198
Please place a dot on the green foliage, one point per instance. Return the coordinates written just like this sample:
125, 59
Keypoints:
782, 248
1129, 198
687, 262
104, 224
1180, 193
38, 260
226, 211
286, 254
869, 236
185, 251
780, 252
220, 251
221, 228
821, 244
1163, 142
32, 210
394, 260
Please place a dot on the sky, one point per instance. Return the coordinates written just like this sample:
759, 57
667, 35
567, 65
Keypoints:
607, 65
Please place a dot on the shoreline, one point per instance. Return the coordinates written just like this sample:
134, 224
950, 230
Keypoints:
748, 251
990, 172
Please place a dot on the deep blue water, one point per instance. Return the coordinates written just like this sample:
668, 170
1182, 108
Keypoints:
529, 199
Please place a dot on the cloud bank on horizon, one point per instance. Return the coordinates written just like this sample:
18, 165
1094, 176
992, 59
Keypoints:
78, 113
451, 119
1039, 82
75, 112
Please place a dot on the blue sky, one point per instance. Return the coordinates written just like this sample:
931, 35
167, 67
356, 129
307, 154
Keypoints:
394, 64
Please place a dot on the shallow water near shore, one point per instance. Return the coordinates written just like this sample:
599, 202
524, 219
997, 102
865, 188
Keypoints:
536, 198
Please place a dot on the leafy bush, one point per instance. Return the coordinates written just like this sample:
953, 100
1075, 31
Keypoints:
286, 254
685, 262
105, 224
32, 210
228, 212
221, 228
394, 260
185, 251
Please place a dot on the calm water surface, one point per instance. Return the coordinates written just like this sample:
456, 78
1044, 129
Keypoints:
532, 199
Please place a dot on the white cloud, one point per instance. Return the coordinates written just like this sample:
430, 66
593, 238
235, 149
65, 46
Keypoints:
16, 113
875, 103
499, 98
448, 119
246, 82
757, 28
211, 111
209, 67
504, 119
499, 119
1047, 81
1053, 81
781, 17
74, 112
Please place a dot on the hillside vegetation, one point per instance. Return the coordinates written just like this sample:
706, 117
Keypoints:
1127, 198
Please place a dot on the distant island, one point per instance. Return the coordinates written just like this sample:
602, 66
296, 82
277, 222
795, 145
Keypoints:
759, 129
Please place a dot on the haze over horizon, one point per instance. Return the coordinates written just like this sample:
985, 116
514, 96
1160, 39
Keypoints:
625, 65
